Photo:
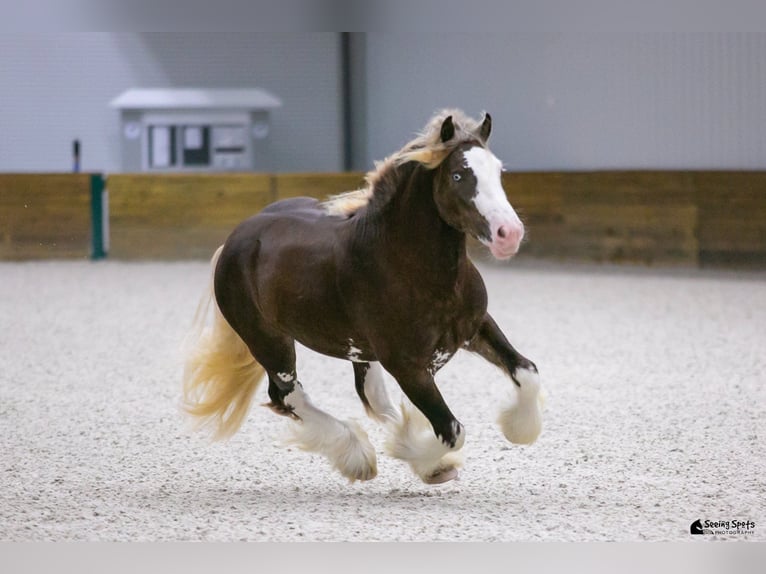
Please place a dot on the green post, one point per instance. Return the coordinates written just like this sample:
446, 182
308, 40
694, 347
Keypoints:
97, 216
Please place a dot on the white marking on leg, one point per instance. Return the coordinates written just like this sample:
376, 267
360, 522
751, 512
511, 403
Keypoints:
286, 377
345, 444
457, 431
354, 353
522, 421
439, 359
375, 391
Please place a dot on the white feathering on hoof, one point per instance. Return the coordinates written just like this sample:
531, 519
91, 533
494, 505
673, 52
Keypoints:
345, 444
522, 422
412, 440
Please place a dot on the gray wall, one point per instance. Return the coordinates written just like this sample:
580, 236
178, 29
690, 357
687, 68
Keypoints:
566, 101
579, 101
56, 87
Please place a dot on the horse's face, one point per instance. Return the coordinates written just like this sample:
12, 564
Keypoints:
470, 197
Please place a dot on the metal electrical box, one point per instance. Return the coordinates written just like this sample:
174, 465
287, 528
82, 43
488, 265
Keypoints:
195, 129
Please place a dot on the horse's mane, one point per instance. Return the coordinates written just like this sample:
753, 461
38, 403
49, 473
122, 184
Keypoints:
426, 149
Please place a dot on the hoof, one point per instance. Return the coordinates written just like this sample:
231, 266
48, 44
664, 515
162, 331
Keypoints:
364, 468
441, 475
363, 474
356, 459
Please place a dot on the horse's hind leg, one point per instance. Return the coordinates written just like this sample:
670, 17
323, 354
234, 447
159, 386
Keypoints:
344, 444
521, 422
370, 386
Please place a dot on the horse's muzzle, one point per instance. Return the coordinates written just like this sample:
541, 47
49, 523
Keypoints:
506, 239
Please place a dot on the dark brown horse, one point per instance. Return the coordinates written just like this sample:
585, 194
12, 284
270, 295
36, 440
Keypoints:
379, 277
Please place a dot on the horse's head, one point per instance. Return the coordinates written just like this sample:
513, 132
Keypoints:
470, 196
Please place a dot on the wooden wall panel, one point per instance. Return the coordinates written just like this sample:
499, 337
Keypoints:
169, 216
732, 218
616, 216
632, 217
45, 216
317, 185
173, 216
639, 217
538, 198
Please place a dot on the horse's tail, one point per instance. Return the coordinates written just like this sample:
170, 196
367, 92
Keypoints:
220, 374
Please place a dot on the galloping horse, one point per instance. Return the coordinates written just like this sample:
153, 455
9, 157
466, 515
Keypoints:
379, 277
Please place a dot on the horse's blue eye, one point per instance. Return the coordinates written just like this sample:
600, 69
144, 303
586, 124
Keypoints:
456, 177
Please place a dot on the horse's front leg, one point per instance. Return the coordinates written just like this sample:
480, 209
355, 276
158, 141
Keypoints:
428, 437
521, 422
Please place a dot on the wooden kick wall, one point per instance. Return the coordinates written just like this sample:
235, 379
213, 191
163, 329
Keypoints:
617, 217
688, 218
45, 216
731, 225
681, 218
188, 216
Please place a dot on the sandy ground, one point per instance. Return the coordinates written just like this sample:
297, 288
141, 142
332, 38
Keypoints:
654, 417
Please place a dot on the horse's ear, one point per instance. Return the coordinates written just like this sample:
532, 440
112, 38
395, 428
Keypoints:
448, 129
486, 127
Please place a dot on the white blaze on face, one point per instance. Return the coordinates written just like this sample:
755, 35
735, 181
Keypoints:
505, 227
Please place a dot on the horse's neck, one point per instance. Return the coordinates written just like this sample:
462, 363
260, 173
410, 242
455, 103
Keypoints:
410, 229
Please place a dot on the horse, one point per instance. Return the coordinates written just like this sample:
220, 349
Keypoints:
379, 277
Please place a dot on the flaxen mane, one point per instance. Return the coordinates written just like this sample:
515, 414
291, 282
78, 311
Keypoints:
426, 148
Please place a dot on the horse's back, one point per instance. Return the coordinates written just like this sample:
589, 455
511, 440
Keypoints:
283, 223
303, 205
285, 259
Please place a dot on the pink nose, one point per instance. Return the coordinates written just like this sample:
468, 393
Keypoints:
507, 239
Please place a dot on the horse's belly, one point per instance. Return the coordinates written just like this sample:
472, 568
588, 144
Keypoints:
348, 348
318, 323
321, 324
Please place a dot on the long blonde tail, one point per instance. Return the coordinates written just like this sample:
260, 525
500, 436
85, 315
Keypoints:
220, 374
